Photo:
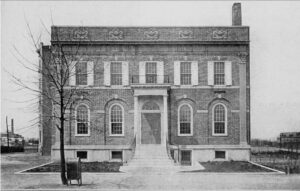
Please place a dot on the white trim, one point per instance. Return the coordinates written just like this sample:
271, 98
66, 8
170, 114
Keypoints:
235, 111
213, 120
89, 124
178, 120
122, 108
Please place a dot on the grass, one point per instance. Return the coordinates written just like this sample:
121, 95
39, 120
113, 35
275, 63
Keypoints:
85, 166
279, 160
231, 166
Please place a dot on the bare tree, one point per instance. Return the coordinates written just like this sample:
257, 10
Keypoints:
56, 69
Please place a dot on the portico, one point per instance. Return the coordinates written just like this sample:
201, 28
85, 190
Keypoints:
151, 115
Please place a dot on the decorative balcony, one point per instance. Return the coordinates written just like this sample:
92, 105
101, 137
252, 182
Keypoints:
150, 80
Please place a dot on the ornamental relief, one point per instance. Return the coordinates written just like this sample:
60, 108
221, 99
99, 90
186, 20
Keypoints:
220, 34
115, 34
185, 34
80, 34
151, 34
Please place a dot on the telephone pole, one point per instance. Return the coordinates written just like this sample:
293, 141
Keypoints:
7, 134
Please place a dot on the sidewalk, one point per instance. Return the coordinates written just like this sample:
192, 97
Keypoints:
139, 181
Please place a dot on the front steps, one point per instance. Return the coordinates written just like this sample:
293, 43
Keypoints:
150, 158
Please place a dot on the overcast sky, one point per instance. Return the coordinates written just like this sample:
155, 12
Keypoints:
274, 53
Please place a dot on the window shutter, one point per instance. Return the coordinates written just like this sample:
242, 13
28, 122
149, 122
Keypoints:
194, 69
142, 72
107, 73
176, 73
160, 72
72, 73
228, 76
210, 73
125, 76
90, 70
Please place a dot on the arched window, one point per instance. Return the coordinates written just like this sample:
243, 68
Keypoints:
219, 120
82, 120
185, 120
116, 120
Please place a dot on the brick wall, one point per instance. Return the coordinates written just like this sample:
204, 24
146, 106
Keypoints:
100, 99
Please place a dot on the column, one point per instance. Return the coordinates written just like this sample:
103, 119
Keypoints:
165, 120
136, 117
243, 99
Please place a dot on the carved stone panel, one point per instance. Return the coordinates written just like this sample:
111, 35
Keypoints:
151, 34
220, 34
186, 34
115, 34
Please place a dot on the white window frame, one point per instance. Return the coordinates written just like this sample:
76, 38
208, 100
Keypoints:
156, 71
213, 120
88, 108
191, 74
87, 76
122, 73
178, 120
224, 64
123, 119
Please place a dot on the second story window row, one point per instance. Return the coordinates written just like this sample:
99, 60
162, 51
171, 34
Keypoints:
116, 73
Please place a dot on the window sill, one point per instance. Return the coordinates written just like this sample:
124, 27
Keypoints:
82, 135
185, 135
117, 135
220, 135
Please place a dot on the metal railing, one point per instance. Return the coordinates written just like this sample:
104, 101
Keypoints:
150, 79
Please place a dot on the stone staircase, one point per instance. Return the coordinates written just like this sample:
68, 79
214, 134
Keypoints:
150, 158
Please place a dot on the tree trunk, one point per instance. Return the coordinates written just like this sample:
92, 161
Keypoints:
62, 146
62, 158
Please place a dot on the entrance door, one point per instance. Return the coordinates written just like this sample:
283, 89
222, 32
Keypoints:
151, 128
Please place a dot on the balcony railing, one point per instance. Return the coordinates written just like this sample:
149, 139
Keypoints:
150, 79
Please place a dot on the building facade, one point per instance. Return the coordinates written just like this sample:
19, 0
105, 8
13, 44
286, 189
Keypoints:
184, 88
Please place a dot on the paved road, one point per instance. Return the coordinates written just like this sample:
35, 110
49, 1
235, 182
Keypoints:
139, 181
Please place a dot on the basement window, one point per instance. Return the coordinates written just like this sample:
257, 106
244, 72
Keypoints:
186, 158
116, 155
220, 154
82, 154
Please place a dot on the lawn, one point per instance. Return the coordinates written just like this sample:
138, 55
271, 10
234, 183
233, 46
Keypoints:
231, 166
279, 160
85, 166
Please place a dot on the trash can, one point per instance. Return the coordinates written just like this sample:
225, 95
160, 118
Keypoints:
73, 167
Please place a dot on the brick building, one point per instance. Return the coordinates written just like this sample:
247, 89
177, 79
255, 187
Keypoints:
183, 91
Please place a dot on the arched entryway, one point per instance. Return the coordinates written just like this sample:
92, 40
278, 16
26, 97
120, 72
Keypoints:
151, 123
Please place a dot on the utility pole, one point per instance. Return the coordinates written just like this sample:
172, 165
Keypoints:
7, 134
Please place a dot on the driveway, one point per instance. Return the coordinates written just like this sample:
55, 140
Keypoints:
140, 181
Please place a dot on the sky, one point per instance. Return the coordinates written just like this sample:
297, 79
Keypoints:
274, 49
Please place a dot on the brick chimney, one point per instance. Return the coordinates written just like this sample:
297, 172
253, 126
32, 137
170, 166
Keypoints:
236, 14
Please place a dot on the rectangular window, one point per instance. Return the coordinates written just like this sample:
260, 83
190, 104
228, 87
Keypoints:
81, 73
116, 73
116, 155
186, 157
220, 154
185, 73
219, 73
82, 154
151, 72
